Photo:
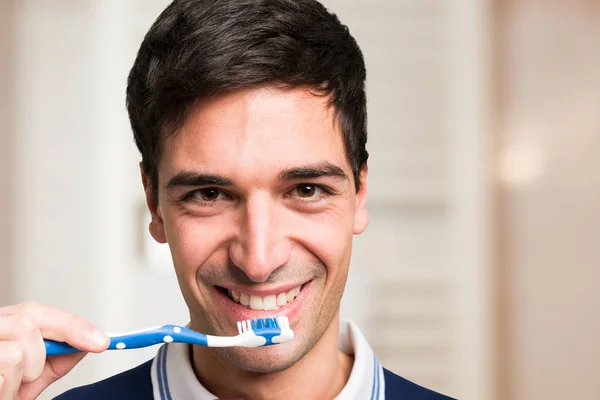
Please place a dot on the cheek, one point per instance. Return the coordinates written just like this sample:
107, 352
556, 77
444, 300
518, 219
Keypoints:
329, 237
192, 242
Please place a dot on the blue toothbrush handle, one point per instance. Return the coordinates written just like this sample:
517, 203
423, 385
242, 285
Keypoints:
136, 340
54, 348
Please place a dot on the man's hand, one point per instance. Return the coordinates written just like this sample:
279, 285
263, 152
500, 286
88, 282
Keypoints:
24, 370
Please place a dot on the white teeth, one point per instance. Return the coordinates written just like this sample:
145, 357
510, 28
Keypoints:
281, 299
291, 295
256, 303
270, 302
244, 299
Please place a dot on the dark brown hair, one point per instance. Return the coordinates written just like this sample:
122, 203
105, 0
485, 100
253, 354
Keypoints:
198, 48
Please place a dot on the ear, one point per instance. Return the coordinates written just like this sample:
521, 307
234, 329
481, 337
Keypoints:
361, 215
157, 226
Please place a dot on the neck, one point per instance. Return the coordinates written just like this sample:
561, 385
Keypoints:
324, 363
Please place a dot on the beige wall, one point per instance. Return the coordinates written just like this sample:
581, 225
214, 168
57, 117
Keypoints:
550, 172
5, 151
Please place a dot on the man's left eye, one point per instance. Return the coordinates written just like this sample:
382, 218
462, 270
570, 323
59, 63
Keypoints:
307, 191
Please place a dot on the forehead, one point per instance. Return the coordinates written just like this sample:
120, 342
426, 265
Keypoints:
254, 132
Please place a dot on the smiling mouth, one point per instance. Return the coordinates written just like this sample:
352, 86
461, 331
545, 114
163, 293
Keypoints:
262, 303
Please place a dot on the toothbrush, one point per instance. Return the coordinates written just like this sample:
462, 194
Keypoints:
252, 333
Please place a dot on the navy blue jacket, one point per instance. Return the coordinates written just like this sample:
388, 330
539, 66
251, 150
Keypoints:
136, 384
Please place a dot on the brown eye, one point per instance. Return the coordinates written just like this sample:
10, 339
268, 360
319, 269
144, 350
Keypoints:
306, 190
208, 194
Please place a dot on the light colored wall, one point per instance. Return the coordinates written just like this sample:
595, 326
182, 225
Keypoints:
77, 189
5, 151
550, 168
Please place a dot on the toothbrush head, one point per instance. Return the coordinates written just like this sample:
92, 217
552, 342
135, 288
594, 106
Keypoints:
273, 330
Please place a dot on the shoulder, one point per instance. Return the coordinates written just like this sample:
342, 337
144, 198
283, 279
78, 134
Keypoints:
397, 387
135, 383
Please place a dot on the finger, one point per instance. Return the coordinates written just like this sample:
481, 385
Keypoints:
21, 329
12, 362
55, 368
64, 327
1, 385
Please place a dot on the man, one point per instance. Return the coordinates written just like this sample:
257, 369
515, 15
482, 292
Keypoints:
250, 116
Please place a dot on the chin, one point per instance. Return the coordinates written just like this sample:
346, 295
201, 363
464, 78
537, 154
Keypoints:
264, 360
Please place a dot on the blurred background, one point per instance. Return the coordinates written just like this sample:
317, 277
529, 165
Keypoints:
479, 275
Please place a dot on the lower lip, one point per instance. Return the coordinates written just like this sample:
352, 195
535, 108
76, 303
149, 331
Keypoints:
238, 312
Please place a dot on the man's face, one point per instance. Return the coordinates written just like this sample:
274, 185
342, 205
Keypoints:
259, 207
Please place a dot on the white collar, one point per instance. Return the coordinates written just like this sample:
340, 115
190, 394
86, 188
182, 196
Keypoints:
173, 377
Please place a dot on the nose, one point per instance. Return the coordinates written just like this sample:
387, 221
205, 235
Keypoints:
261, 245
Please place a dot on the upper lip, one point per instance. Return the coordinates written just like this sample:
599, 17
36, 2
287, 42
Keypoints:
262, 292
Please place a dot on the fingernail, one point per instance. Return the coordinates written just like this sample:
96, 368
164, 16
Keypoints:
99, 338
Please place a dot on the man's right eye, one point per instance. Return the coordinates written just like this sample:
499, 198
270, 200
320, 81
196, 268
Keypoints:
208, 194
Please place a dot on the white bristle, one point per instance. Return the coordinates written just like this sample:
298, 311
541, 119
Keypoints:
283, 322
246, 326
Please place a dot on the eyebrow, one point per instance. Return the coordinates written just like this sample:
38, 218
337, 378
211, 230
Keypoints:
322, 169
196, 179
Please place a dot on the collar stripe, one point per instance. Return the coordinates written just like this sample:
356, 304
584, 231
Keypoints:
374, 387
164, 373
159, 373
